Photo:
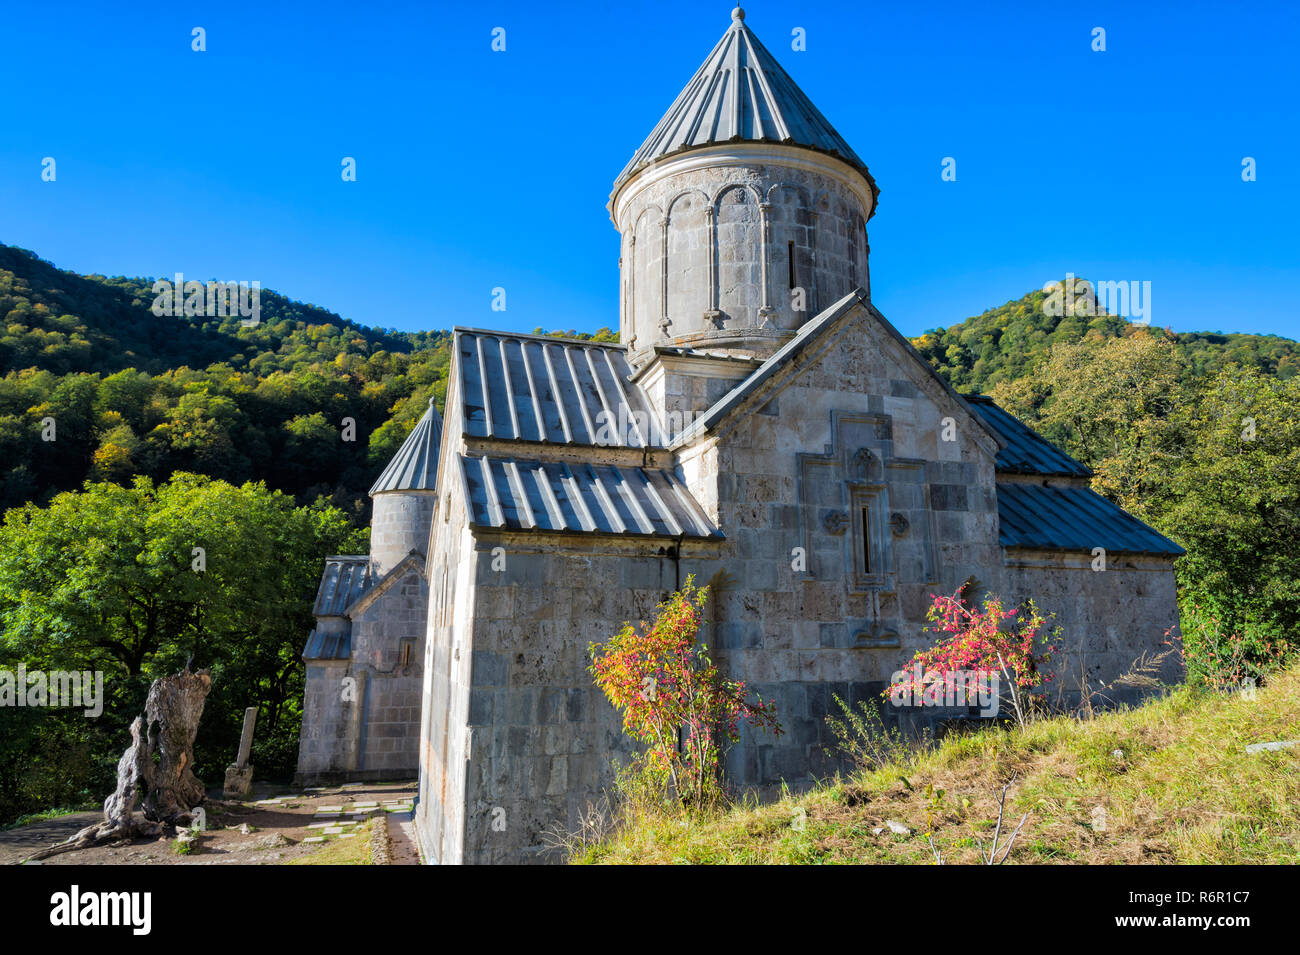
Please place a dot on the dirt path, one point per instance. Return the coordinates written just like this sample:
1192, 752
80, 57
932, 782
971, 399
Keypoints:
269, 830
17, 844
401, 830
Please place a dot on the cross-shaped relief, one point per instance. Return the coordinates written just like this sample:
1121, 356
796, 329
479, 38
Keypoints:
865, 519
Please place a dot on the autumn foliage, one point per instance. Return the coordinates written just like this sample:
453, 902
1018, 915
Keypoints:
1014, 644
674, 700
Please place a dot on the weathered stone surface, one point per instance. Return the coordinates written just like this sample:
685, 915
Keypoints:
361, 715
239, 780
1272, 747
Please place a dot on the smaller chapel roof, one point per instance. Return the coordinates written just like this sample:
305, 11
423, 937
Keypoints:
1038, 517
344, 580
1026, 451
415, 465
328, 646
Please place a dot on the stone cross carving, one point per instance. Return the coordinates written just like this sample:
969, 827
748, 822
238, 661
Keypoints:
862, 462
835, 522
859, 474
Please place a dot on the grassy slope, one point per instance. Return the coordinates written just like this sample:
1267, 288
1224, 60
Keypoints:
1184, 791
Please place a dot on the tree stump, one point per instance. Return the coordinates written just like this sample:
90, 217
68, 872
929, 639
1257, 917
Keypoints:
173, 709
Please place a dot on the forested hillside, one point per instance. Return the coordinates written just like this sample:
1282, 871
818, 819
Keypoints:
132, 393
1005, 343
128, 440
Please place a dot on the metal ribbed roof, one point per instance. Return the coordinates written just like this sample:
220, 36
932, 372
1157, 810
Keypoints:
512, 494
1026, 452
741, 93
328, 646
344, 580
559, 391
415, 465
1073, 518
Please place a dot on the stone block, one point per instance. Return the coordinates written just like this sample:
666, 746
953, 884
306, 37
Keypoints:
239, 780
490, 669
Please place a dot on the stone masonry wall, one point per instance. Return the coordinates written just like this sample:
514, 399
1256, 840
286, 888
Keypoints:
327, 744
399, 524
543, 734
1109, 618
860, 428
444, 734
388, 647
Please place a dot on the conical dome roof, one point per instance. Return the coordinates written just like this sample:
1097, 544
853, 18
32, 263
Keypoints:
415, 465
741, 93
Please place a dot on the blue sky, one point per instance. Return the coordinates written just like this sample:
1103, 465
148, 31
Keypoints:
478, 169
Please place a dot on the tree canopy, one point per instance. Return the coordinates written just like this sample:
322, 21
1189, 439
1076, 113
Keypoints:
138, 581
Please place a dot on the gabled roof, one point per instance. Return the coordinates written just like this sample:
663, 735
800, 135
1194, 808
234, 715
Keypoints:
415, 465
741, 93
344, 580
551, 390
806, 337
1073, 518
413, 561
529, 495
807, 333
1025, 451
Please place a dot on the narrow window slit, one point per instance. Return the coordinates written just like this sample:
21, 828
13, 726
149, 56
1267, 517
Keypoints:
866, 541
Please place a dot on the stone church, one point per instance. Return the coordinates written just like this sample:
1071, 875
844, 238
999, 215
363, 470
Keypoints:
760, 426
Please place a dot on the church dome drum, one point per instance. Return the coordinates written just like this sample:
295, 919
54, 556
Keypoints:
743, 214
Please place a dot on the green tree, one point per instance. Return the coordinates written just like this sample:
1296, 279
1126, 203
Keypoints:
1235, 505
1113, 404
137, 581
